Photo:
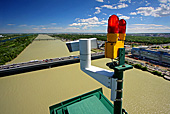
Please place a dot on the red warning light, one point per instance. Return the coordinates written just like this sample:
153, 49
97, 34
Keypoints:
122, 26
113, 24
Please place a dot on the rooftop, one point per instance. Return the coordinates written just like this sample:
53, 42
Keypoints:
34, 92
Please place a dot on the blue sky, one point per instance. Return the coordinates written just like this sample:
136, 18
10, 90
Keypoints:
83, 16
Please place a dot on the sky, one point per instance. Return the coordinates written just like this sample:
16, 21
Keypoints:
83, 16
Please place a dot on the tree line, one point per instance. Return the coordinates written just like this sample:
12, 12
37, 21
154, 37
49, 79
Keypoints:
135, 39
9, 36
73, 37
148, 39
11, 49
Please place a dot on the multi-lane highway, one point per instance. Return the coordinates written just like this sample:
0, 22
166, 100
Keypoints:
42, 64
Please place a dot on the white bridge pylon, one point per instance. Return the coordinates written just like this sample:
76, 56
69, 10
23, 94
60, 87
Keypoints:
103, 76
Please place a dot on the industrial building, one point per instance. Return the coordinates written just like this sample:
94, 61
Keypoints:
159, 56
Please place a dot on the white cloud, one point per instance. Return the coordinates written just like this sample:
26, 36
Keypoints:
163, 1
147, 4
124, 17
77, 19
133, 13
147, 28
78, 24
96, 23
163, 10
72, 28
118, 6
89, 22
99, 0
122, 0
85, 27
104, 13
118, 14
109, 6
138, 24
10, 24
146, 11
98, 10
50, 27
53, 23
104, 21
154, 25
122, 5
92, 25
125, 1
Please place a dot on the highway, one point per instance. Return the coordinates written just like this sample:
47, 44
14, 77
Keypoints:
33, 65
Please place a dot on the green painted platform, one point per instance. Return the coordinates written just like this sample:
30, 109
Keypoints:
93, 102
91, 105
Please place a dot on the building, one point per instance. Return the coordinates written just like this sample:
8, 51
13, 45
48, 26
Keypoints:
157, 56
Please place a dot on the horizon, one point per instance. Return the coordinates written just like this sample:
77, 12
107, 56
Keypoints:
90, 16
76, 33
